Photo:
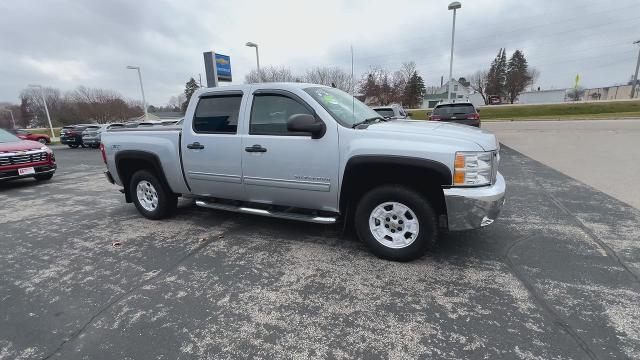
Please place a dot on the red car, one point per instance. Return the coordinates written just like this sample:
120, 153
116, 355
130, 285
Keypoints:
27, 135
24, 158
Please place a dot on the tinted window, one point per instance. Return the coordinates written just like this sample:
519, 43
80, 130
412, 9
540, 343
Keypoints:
217, 114
385, 112
269, 114
454, 109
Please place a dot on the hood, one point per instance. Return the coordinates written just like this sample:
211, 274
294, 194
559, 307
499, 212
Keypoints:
23, 145
484, 139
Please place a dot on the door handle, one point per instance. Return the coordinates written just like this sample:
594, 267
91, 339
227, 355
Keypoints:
255, 148
195, 145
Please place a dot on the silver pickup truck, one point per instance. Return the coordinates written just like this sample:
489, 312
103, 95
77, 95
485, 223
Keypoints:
313, 153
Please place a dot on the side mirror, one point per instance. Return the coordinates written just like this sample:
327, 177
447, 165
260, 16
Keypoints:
478, 111
306, 123
428, 113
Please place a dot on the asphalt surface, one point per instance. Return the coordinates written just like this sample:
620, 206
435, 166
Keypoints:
556, 277
600, 153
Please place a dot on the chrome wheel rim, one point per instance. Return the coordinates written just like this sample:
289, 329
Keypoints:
394, 225
42, 141
147, 195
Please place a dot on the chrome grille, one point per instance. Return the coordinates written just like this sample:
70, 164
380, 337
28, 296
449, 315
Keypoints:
22, 158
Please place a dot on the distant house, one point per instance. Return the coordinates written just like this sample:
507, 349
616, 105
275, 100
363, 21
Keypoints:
459, 93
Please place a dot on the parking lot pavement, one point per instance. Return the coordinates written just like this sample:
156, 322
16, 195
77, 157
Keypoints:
600, 153
555, 277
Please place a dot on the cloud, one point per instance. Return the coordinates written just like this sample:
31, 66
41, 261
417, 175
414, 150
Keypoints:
67, 43
64, 70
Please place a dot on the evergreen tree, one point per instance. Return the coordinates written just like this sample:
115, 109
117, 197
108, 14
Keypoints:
517, 77
414, 91
497, 75
190, 87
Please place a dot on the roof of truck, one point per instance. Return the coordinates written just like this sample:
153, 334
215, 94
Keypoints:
246, 87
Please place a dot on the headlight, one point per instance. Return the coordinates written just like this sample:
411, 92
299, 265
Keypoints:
474, 168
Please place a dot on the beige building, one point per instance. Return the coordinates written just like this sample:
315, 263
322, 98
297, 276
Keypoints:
608, 93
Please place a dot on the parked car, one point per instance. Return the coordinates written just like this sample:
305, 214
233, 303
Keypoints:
24, 158
28, 135
313, 153
392, 112
92, 134
72, 135
456, 112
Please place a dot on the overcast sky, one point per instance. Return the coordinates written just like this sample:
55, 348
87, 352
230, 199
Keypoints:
65, 44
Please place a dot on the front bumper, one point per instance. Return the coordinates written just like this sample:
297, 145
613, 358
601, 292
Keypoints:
70, 140
473, 208
6, 175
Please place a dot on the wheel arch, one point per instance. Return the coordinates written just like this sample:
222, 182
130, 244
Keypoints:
364, 172
129, 161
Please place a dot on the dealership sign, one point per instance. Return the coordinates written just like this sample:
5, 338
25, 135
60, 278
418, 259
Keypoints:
217, 68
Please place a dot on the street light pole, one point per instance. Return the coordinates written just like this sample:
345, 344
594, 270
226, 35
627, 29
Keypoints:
144, 101
12, 118
254, 45
635, 77
453, 6
46, 109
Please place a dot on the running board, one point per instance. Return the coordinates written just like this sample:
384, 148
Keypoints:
274, 214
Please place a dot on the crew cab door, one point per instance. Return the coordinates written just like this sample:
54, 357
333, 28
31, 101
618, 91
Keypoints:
288, 168
211, 145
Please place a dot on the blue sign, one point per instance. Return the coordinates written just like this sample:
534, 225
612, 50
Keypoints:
223, 67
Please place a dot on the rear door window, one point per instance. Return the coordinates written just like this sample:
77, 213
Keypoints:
454, 109
217, 114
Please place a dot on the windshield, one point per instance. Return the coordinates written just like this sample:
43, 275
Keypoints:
346, 109
385, 112
6, 137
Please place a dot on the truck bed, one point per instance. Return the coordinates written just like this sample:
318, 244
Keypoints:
162, 141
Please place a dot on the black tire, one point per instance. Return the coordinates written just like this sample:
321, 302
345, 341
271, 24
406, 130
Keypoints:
73, 146
417, 203
83, 145
43, 177
42, 141
167, 201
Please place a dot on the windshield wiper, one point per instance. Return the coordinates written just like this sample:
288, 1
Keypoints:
369, 121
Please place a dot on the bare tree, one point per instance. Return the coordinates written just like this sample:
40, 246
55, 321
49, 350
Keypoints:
576, 93
176, 101
478, 82
270, 74
330, 76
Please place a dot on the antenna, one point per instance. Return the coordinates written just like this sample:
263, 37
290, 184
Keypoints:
353, 90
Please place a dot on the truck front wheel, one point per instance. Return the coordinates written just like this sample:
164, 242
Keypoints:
149, 195
396, 223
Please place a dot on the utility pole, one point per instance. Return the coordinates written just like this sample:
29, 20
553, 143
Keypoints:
635, 77
12, 118
144, 101
453, 6
46, 109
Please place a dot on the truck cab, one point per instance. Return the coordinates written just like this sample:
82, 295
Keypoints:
313, 153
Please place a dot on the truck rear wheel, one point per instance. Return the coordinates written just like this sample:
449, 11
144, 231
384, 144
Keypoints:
150, 197
396, 223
